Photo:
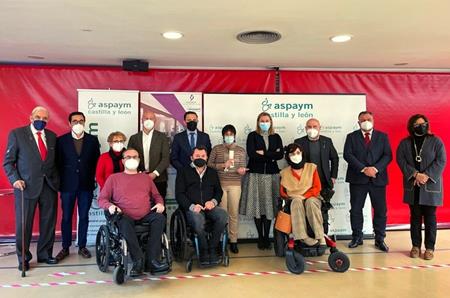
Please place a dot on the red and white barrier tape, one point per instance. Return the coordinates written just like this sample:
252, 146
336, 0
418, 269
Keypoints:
62, 274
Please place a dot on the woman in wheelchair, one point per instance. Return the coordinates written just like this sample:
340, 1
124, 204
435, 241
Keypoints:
300, 183
135, 196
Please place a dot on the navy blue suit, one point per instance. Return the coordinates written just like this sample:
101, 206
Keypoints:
77, 173
180, 154
358, 155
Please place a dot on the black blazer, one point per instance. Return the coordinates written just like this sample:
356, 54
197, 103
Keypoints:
358, 156
23, 161
180, 153
267, 163
77, 172
328, 157
159, 153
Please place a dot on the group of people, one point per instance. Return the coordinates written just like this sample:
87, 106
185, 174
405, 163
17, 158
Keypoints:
216, 184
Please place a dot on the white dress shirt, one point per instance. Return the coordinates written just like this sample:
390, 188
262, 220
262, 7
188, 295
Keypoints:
34, 131
146, 141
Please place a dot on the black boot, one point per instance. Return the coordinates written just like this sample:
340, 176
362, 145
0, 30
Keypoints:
137, 268
267, 224
259, 228
234, 248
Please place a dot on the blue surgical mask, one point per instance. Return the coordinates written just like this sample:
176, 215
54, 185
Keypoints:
264, 126
39, 124
228, 139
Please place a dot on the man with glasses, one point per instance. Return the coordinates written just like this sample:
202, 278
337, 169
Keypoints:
77, 153
135, 195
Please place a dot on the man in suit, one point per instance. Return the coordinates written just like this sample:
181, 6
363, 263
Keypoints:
77, 154
184, 142
319, 149
153, 147
368, 153
30, 166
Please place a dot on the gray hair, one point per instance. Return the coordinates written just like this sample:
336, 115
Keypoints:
37, 109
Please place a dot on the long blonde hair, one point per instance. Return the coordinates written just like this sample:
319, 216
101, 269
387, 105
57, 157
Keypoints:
258, 129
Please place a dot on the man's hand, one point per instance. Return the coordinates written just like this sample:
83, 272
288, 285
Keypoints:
152, 176
113, 209
333, 180
159, 208
229, 163
209, 205
198, 208
242, 171
260, 152
370, 172
19, 184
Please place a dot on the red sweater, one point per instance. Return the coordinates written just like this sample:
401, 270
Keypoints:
133, 193
105, 167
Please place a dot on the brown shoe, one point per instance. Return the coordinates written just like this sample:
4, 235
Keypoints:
428, 255
84, 252
415, 252
62, 254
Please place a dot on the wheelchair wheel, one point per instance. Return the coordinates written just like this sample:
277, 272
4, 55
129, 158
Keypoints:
295, 262
102, 248
119, 275
166, 254
188, 266
339, 262
226, 261
178, 235
279, 243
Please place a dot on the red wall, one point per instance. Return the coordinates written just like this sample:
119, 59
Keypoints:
393, 97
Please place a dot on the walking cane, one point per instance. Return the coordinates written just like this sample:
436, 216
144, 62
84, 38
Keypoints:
23, 234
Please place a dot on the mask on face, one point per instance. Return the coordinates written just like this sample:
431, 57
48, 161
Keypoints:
228, 139
78, 128
117, 147
312, 133
296, 161
191, 125
149, 124
199, 162
39, 124
421, 129
131, 164
366, 125
265, 126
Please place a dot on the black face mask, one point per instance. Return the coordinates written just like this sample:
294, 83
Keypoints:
199, 162
421, 129
191, 125
296, 166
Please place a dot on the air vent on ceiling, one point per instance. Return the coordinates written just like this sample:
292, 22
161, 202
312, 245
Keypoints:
258, 37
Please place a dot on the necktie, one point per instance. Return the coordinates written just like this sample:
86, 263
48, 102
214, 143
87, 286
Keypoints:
367, 138
42, 148
192, 140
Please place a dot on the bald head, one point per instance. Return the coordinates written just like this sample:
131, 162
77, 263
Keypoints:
312, 128
313, 123
148, 121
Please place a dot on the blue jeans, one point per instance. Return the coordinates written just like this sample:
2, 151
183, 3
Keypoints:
84, 201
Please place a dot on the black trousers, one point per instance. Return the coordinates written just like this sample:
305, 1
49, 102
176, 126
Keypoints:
358, 194
162, 189
428, 215
48, 204
157, 223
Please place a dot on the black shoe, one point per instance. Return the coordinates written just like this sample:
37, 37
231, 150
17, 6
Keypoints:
27, 266
137, 268
49, 260
260, 243
381, 245
214, 258
84, 252
355, 242
158, 267
234, 248
62, 254
267, 244
204, 259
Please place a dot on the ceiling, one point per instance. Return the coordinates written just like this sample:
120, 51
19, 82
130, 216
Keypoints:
104, 32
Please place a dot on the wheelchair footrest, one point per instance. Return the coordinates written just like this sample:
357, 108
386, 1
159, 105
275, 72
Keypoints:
312, 251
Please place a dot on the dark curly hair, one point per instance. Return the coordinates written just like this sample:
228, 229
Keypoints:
290, 149
412, 120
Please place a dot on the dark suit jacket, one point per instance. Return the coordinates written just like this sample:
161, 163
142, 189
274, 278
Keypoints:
378, 154
180, 154
23, 161
328, 157
159, 153
77, 172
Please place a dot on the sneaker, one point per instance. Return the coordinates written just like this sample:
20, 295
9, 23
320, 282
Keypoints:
137, 268
84, 252
428, 255
415, 252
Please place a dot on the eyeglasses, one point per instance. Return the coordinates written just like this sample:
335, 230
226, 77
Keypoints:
131, 157
77, 122
419, 124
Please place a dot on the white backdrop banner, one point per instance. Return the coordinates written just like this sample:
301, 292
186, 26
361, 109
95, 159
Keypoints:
107, 111
336, 113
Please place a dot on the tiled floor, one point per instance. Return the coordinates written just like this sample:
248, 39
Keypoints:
403, 281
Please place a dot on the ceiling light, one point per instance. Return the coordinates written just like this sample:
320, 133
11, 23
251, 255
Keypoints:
36, 57
172, 35
401, 64
86, 30
341, 38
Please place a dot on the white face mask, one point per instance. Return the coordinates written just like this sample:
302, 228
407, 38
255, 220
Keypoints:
117, 147
149, 124
78, 128
296, 158
312, 133
131, 164
366, 125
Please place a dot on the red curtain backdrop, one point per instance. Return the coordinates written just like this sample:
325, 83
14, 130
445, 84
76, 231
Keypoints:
393, 97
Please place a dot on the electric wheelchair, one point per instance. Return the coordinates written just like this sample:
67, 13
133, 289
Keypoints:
184, 242
111, 248
295, 254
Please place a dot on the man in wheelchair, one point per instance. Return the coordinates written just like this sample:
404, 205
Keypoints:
198, 193
300, 183
135, 196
